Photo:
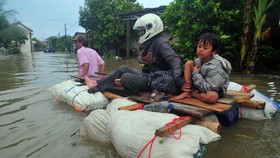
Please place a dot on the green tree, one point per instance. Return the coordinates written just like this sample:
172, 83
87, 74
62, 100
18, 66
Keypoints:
260, 13
52, 41
13, 33
245, 39
188, 19
100, 18
59, 43
10, 36
38, 44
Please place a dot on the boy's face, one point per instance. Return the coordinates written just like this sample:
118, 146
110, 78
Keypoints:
205, 51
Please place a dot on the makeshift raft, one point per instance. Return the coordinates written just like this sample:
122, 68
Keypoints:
182, 132
253, 105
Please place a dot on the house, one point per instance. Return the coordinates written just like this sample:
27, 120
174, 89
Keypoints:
28, 46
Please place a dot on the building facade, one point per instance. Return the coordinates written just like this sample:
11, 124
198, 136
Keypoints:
29, 45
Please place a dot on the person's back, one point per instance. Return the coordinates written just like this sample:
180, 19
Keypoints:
89, 61
90, 56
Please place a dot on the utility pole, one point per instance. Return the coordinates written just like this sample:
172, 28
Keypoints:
65, 39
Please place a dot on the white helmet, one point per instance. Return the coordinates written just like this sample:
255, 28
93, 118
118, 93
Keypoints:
151, 23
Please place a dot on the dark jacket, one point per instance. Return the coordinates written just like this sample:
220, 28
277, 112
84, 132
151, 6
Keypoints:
165, 59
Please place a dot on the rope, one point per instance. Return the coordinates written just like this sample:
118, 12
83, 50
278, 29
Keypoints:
77, 95
174, 122
150, 150
140, 107
171, 132
245, 88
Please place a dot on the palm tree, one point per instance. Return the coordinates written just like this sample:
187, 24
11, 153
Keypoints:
6, 13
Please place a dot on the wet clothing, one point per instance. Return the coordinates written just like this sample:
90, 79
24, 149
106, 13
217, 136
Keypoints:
213, 75
88, 55
161, 58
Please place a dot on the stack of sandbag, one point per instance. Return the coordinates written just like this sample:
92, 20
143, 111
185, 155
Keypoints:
130, 131
256, 114
75, 94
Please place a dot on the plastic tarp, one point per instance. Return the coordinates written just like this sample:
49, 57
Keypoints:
130, 131
256, 114
77, 95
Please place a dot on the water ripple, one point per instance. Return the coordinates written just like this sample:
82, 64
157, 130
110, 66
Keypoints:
37, 150
16, 143
12, 122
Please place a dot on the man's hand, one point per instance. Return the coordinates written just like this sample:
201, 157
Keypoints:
118, 82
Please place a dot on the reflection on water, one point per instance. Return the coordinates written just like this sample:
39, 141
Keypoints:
32, 124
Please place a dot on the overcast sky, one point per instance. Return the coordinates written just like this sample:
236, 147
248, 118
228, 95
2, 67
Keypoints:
47, 17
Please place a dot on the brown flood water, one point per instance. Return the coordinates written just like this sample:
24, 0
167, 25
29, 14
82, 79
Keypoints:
33, 124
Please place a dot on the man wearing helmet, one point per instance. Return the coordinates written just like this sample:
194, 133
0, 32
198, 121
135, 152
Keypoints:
162, 70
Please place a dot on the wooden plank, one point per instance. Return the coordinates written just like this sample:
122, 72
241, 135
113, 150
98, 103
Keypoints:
191, 111
131, 107
238, 94
227, 100
248, 88
214, 126
140, 99
119, 90
251, 103
216, 107
165, 131
111, 95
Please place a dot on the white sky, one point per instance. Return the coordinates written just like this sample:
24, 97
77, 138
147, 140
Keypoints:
47, 17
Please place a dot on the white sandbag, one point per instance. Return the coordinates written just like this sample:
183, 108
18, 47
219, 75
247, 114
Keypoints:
256, 114
130, 131
94, 126
117, 103
252, 114
78, 96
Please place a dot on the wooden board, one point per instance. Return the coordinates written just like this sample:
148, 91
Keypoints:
227, 100
110, 95
238, 94
213, 126
251, 103
131, 107
184, 110
140, 99
217, 107
165, 131
120, 91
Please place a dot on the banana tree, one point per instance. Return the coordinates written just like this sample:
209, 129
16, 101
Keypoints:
246, 33
260, 13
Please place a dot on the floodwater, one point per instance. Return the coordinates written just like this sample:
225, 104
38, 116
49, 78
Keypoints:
33, 124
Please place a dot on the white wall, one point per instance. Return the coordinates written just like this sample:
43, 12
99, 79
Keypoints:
27, 47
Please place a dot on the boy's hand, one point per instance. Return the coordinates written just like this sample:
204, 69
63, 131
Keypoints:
196, 68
